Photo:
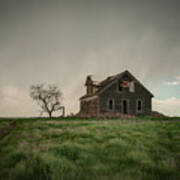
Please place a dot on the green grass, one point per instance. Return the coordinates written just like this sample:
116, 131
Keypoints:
65, 149
5, 122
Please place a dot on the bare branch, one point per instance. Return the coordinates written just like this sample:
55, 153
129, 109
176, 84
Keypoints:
48, 98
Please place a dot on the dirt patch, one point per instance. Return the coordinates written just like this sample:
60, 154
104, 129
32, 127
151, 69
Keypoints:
5, 131
52, 122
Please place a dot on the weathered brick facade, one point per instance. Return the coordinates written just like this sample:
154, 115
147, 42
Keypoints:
117, 95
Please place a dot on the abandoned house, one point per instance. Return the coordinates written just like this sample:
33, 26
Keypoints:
117, 95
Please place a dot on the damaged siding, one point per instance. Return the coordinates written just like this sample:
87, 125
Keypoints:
119, 88
131, 97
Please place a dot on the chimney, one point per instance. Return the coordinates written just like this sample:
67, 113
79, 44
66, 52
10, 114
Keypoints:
89, 80
89, 85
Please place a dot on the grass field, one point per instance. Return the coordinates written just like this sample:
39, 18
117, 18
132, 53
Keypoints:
90, 149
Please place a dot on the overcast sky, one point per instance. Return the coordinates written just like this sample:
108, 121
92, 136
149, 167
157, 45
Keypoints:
61, 42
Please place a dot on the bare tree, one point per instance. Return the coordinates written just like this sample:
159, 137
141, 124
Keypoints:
48, 98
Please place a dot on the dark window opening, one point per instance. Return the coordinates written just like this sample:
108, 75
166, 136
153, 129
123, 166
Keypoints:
120, 88
110, 104
139, 105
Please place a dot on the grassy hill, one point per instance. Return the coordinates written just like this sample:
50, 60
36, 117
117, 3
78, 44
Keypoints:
41, 149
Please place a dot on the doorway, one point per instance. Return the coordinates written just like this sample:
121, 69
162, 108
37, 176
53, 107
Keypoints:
125, 107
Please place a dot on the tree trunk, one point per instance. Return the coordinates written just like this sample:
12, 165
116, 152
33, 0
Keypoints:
63, 113
50, 114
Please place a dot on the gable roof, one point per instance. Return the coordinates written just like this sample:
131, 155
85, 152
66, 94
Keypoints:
103, 85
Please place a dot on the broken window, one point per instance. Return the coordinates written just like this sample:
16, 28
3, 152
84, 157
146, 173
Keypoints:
120, 87
131, 87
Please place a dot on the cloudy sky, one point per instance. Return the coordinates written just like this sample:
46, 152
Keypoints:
60, 42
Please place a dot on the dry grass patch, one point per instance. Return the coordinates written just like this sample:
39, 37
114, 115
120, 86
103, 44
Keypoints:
24, 146
51, 122
54, 130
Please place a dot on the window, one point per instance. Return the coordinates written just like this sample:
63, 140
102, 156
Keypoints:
111, 104
120, 88
131, 87
139, 105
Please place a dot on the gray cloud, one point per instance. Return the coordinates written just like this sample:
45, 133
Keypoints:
63, 41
